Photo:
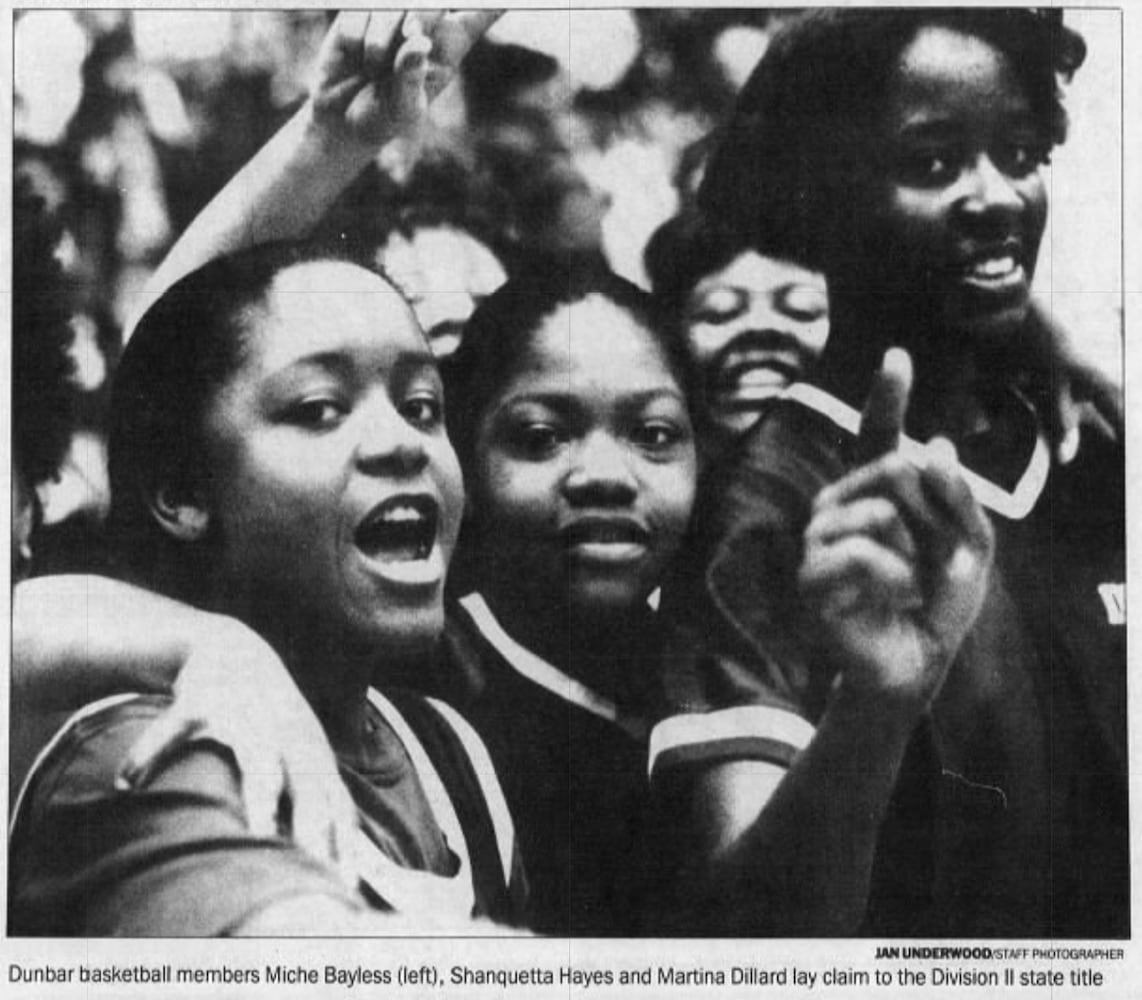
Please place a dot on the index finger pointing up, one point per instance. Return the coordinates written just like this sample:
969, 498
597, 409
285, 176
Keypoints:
882, 421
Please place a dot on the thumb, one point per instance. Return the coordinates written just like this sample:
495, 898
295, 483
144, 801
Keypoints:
883, 418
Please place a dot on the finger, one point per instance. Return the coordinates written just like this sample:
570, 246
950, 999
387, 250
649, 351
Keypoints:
345, 838
1064, 416
261, 776
1109, 401
312, 816
892, 476
875, 516
170, 733
453, 36
456, 33
381, 40
858, 572
883, 418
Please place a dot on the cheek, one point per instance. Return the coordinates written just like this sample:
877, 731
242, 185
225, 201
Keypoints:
1034, 194
813, 335
510, 493
704, 340
450, 482
258, 500
670, 493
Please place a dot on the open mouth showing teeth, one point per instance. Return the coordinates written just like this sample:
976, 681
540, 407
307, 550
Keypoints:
992, 268
400, 530
757, 374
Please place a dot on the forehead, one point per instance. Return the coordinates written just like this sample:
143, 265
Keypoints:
328, 307
952, 71
598, 341
752, 270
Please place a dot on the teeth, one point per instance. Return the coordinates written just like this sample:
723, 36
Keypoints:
993, 267
402, 532
402, 514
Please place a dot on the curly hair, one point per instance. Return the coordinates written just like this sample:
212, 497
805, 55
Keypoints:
784, 171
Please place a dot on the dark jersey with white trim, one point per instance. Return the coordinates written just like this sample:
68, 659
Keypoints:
1010, 815
574, 770
177, 858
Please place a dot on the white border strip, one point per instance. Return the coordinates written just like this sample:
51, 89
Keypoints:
489, 783
742, 722
534, 668
440, 803
86, 712
1015, 506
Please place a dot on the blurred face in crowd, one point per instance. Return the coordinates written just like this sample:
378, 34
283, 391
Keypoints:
960, 208
333, 488
445, 273
585, 463
752, 327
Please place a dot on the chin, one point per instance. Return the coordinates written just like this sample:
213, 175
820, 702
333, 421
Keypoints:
605, 599
405, 633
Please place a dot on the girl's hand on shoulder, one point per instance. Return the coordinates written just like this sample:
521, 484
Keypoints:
233, 690
378, 72
1072, 392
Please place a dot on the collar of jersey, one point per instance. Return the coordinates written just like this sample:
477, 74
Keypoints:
1014, 505
537, 670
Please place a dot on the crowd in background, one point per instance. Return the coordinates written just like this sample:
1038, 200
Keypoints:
585, 149
576, 132
128, 122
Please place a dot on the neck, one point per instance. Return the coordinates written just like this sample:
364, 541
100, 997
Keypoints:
951, 394
333, 674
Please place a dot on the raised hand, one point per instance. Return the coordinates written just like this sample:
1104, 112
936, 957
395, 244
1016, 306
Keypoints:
378, 72
896, 556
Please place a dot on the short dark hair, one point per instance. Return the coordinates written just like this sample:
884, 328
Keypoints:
682, 251
497, 335
784, 170
181, 352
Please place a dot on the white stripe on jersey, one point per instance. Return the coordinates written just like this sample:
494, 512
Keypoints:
744, 722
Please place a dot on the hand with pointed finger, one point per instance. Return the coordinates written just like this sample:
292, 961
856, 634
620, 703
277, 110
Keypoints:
378, 72
896, 557
1071, 392
233, 690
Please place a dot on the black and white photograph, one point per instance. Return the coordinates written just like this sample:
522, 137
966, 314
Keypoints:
630, 500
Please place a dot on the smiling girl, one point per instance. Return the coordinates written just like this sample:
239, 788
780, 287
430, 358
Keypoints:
902, 154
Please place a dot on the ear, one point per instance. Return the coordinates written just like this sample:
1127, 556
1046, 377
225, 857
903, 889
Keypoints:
180, 512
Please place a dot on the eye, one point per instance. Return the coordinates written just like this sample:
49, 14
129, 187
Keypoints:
1021, 159
804, 303
928, 167
536, 441
424, 410
316, 413
657, 436
719, 305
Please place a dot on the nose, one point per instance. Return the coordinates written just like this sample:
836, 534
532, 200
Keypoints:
600, 472
988, 188
388, 444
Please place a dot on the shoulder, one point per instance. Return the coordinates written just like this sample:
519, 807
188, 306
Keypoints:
84, 755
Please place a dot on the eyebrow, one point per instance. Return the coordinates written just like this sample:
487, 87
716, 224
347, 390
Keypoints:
561, 400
